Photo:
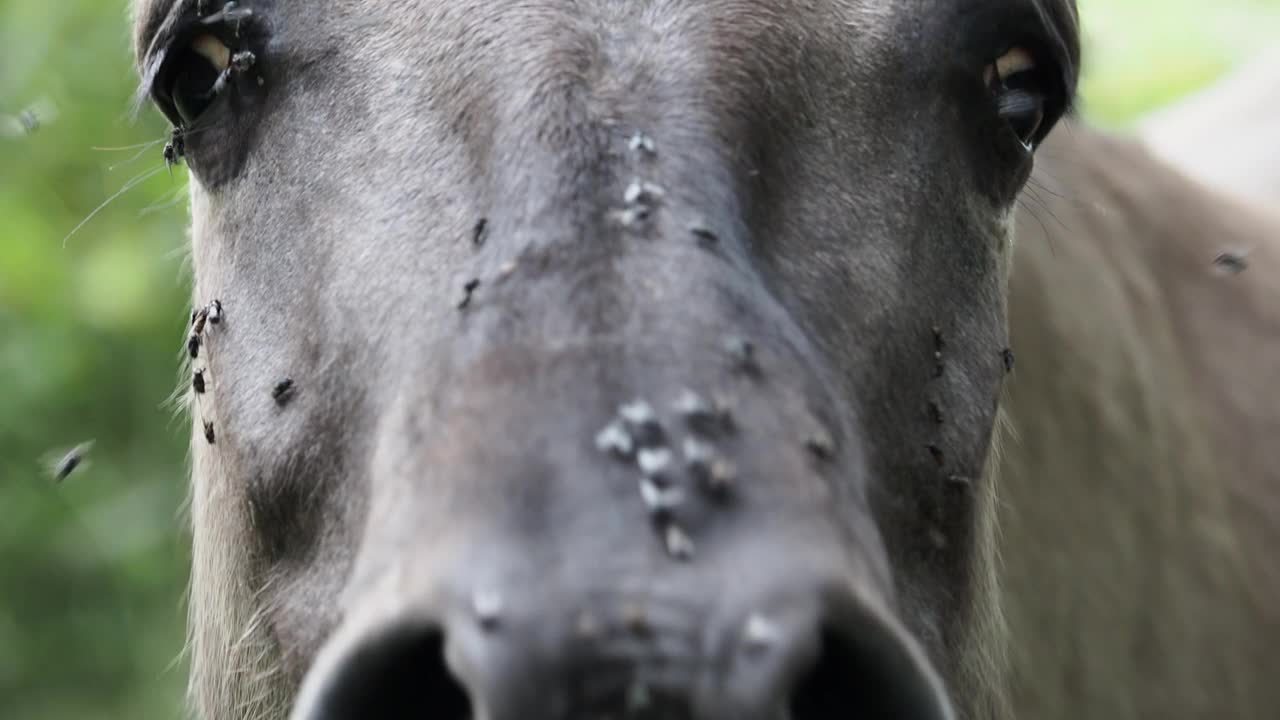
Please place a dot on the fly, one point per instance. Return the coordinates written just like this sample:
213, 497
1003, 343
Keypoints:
28, 120
74, 459
175, 149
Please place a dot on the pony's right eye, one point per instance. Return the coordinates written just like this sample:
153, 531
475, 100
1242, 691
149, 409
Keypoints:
192, 79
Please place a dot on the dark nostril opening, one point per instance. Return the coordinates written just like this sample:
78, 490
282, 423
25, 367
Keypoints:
399, 675
870, 677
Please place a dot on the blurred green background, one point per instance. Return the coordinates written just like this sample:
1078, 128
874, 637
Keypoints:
92, 571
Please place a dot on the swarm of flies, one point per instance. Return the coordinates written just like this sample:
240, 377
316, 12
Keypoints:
201, 319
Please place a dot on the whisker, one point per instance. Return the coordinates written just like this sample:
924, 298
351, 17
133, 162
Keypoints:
139, 154
122, 148
1072, 199
186, 132
1043, 228
1033, 182
178, 196
136, 181
1047, 208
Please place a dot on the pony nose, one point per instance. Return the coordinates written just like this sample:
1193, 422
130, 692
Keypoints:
617, 658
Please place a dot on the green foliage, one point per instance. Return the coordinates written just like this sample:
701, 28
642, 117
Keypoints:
92, 570
1142, 54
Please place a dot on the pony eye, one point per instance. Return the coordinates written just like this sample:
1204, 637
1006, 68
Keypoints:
188, 81
1021, 91
196, 75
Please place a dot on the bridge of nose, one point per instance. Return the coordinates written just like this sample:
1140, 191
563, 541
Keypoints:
588, 525
537, 456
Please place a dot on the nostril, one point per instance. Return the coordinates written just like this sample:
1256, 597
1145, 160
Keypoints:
871, 675
401, 674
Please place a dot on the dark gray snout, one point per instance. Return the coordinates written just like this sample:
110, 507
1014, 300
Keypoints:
649, 654
547, 539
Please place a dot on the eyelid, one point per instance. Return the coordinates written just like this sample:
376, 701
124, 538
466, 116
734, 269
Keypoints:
1055, 53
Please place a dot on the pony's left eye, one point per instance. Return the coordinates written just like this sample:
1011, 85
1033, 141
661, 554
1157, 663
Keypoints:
1022, 92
